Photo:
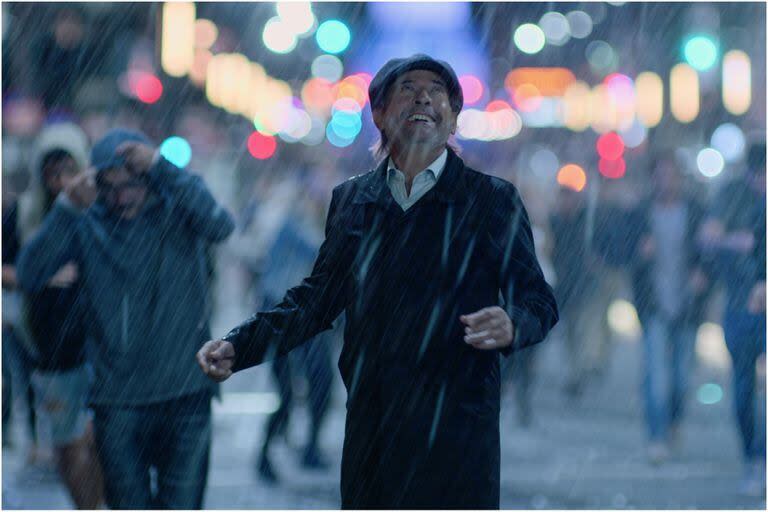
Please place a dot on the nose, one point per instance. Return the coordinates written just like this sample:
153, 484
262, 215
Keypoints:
423, 98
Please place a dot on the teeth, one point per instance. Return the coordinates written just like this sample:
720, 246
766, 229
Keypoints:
419, 117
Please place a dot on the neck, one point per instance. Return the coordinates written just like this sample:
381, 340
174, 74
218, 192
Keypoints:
412, 160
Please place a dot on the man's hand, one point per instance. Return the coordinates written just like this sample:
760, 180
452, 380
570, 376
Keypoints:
138, 156
756, 303
65, 277
81, 191
488, 329
216, 359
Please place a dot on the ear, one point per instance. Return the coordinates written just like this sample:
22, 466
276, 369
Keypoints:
378, 118
454, 122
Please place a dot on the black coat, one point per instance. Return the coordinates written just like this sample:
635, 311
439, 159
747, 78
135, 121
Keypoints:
422, 426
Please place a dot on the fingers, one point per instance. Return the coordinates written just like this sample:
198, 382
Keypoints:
216, 359
488, 328
474, 319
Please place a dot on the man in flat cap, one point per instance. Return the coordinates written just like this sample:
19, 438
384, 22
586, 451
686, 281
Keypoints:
434, 265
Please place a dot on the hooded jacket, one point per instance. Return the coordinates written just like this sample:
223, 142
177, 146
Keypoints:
51, 319
145, 281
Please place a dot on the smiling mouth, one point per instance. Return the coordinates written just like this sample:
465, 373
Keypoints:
420, 118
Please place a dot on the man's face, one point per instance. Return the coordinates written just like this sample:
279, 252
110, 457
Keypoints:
123, 192
59, 173
417, 112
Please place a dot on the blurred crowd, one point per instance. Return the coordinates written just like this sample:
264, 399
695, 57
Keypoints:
681, 250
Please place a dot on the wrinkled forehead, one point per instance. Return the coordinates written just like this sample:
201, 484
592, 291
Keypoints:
421, 76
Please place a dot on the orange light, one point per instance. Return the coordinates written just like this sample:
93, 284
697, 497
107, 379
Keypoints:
318, 95
572, 176
527, 98
548, 81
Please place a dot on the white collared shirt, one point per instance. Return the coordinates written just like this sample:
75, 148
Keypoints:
422, 183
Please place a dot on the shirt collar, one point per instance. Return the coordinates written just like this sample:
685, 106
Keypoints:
436, 167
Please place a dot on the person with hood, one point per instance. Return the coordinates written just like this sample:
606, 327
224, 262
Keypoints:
52, 320
138, 229
434, 265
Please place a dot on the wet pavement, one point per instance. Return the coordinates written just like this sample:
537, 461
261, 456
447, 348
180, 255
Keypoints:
586, 453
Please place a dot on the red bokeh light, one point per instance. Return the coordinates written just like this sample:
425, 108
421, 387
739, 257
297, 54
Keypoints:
610, 146
612, 169
261, 146
496, 105
148, 88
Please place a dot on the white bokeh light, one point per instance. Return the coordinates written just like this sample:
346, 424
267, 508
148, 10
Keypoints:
556, 28
710, 162
729, 140
529, 38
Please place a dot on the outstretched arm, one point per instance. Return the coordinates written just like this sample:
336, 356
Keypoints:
305, 310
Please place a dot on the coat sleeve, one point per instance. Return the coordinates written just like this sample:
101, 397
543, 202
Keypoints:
306, 310
189, 195
528, 298
52, 247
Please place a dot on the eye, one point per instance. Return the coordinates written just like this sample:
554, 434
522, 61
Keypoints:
406, 87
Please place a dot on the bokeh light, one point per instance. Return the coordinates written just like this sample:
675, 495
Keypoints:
335, 139
317, 94
729, 141
177, 151
472, 88
327, 67
573, 177
580, 24
612, 169
634, 135
710, 162
684, 93
737, 82
601, 56
544, 163
555, 27
610, 146
701, 52
333, 36
277, 37
206, 33
709, 394
147, 88
710, 346
527, 98
529, 38
261, 146
296, 16
623, 320
346, 124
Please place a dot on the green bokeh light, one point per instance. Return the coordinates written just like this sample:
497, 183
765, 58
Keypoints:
701, 52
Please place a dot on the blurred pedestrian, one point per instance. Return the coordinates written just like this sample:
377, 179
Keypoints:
54, 322
419, 253
670, 285
288, 260
138, 229
578, 289
19, 355
734, 237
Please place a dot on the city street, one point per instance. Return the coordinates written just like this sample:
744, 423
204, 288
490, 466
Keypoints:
589, 454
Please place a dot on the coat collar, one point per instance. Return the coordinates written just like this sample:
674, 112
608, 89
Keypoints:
374, 189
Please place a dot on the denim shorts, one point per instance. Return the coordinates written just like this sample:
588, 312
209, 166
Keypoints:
61, 403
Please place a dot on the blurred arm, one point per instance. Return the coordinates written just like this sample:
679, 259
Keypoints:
51, 248
189, 194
